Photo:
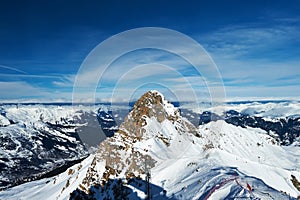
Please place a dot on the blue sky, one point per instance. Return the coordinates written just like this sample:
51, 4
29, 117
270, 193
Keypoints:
255, 45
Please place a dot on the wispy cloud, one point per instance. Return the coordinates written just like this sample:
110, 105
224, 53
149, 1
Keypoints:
14, 69
237, 41
65, 81
253, 60
31, 76
262, 92
257, 60
14, 90
18, 85
145, 56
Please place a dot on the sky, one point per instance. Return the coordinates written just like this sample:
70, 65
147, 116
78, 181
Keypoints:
44, 45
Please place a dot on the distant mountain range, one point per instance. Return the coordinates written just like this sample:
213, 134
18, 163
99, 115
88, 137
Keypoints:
154, 153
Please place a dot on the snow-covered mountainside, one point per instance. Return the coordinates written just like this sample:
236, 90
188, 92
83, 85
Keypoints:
267, 109
285, 130
281, 119
158, 153
36, 139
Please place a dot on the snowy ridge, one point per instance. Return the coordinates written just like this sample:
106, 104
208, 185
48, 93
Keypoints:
36, 139
256, 154
149, 126
4, 121
168, 107
267, 110
58, 187
215, 161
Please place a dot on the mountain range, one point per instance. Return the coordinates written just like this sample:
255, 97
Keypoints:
155, 153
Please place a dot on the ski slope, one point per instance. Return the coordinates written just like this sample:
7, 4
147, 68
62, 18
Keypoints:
213, 161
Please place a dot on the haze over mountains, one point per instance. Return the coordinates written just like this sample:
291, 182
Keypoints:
155, 152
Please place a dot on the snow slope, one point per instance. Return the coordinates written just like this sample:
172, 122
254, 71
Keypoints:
214, 161
265, 109
58, 187
36, 139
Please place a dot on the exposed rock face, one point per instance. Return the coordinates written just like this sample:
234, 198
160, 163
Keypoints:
121, 157
226, 162
151, 104
107, 122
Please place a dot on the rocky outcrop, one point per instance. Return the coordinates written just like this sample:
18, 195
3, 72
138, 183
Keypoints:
120, 157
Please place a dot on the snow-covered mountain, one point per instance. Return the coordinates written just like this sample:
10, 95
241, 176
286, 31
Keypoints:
37, 139
280, 119
158, 153
285, 130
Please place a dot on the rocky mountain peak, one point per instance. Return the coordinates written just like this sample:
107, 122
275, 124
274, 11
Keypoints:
126, 153
151, 105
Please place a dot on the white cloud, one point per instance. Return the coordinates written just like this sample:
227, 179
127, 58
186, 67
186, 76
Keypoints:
256, 57
14, 90
65, 81
274, 92
232, 42
230, 48
172, 42
119, 56
21, 91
